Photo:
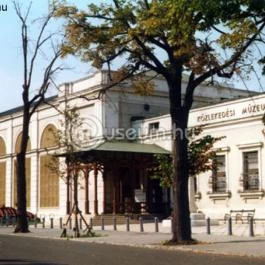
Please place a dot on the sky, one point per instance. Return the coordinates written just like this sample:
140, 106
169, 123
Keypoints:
11, 64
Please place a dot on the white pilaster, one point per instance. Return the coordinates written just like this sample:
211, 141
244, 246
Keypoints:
100, 192
9, 174
34, 183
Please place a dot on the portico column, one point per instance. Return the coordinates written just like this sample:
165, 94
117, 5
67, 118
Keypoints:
114, 198
68, 193
95, 189
86, 192
104, 191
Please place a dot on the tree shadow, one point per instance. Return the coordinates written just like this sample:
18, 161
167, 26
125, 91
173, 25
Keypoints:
26, 262
231, 241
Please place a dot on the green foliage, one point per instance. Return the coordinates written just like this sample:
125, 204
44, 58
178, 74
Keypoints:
163, 170
201, 37
67, 141
135, 29
200, 154
200, 157
69, 124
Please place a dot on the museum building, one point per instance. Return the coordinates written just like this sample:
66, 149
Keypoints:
120, 133
238, 182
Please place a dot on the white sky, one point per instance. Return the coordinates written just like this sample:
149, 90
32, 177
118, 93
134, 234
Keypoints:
11, 56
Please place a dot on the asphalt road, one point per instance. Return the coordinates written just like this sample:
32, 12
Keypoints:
16, 250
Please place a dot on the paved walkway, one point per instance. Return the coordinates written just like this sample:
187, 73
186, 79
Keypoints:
218, 242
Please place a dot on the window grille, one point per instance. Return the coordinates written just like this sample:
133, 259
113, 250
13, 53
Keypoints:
250, 171
219, 174
153, 127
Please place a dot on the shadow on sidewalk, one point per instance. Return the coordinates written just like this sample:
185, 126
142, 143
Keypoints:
26, 262
230, 241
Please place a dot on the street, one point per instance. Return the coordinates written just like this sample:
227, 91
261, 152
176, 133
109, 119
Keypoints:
16, 250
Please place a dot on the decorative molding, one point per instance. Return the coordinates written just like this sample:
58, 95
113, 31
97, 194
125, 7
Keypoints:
219, 195
221, 149
198, 196
258, 194
250, 145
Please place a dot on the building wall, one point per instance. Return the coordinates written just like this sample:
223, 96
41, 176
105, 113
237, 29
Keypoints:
114, 110
240, 123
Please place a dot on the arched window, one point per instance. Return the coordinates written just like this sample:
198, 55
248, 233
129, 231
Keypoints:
28, 171
49, 177
49, 137
2, 147
2, 172
18, 142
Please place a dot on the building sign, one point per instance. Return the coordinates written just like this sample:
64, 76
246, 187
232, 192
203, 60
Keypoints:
235, 110
139, 196
253, 108
216, 115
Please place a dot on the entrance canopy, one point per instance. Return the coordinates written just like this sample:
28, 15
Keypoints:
130, 148
101, 151
124, 167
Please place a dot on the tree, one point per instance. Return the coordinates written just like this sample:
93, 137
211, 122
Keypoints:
197, 37
200, 158
69, 141
31, 103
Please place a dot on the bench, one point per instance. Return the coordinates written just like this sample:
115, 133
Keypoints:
240, 215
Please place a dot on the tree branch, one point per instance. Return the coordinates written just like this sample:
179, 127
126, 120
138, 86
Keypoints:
39, 43
49, 71
150, 55
234, 58
218, 30
24, 38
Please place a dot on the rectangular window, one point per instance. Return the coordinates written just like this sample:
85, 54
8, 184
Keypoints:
250, 170
153, 127
219, 174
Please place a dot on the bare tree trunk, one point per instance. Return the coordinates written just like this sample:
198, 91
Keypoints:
22, 222
30, 55
76, 210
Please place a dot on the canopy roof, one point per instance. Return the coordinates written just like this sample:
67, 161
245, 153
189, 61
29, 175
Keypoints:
130, 147
102, 151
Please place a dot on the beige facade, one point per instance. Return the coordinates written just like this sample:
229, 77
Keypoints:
108, 118
239, 181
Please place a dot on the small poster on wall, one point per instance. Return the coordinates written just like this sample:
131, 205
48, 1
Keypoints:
139, 195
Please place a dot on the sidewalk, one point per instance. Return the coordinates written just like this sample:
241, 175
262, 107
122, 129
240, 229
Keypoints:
217, 243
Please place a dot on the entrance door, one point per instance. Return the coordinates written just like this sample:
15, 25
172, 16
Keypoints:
108, 189
113, 192
154, 197
119, 190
